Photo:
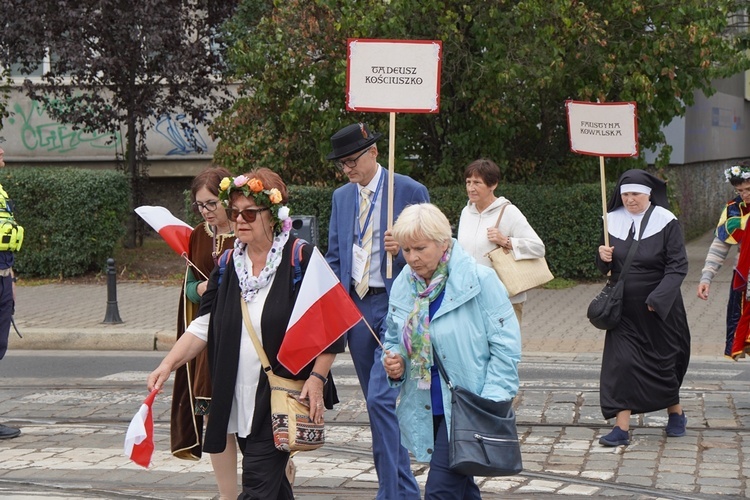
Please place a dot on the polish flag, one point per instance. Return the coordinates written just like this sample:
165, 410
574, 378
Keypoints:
322, 314
174, 231
139, 440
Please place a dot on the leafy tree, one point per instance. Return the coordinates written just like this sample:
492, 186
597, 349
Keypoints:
5, 87
508, 68
118, 64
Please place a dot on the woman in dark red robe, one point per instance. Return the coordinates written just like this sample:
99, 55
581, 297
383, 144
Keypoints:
191, 395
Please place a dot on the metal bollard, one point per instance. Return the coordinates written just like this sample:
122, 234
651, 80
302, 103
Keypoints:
112, 315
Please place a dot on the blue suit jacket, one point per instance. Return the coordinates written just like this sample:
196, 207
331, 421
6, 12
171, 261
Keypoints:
406, 191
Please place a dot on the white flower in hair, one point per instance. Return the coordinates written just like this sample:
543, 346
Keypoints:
737, 172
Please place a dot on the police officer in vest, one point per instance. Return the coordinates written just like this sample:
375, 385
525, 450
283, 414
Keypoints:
11, 237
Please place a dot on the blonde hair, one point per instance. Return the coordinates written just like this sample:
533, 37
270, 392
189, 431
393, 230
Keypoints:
421, 221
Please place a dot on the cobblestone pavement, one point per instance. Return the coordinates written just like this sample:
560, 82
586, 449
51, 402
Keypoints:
73, 428
73, 432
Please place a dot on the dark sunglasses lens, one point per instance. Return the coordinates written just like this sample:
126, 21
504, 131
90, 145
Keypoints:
248, 214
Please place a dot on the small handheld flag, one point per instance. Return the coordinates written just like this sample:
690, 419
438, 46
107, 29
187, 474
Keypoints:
174, 231
139, 439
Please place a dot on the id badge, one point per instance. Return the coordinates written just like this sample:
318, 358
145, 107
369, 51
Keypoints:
359, 259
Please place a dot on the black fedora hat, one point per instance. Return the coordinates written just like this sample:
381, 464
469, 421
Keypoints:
350, 139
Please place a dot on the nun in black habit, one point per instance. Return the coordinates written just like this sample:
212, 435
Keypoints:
646, 356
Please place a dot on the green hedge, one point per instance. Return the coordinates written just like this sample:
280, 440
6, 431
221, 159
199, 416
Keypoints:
567, 218
72, 218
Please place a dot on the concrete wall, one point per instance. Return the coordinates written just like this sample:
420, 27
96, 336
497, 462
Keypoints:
714, 128
701, 192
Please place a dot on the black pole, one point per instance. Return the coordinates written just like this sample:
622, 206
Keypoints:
112, 316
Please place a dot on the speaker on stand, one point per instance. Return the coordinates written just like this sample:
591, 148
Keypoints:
306, 228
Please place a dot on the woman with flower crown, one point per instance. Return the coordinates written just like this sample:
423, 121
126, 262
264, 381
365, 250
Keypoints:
730, 231
259, 275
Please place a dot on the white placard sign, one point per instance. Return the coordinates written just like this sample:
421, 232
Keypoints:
400, 76
603, 129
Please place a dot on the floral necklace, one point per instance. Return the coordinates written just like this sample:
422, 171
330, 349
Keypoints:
249, 284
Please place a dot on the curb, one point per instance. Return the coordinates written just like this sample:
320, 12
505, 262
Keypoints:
109, 338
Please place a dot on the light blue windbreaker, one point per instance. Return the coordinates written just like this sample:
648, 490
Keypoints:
477, 335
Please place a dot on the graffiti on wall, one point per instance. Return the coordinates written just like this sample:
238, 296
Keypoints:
33, 135
39, 133
184, 140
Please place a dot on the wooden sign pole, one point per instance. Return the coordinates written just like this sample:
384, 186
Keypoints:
391, 174
604, 200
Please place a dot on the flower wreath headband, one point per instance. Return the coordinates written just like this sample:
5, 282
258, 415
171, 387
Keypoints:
737, 172
253, 188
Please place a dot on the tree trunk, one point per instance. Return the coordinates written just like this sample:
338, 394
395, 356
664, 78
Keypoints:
132, 172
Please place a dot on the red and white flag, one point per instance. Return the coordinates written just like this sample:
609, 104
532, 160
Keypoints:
139, 440
174, 231
323, 313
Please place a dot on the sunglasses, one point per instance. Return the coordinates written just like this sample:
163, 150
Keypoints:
248, 214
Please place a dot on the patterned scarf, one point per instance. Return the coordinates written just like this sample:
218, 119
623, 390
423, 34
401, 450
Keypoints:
249, 284
416, 333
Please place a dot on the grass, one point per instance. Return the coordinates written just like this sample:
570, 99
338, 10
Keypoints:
559, 284
154, 262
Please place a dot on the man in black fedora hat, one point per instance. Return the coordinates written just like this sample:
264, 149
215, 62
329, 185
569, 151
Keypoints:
357, 246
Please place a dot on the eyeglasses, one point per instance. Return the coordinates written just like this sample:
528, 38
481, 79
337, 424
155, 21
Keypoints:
351, 163
248, 214
209, 206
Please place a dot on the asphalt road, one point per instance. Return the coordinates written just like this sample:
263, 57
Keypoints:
96, 364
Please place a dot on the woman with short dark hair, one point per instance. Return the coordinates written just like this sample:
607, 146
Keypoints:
477, 231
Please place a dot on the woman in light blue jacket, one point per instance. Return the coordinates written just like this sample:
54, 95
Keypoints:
444, 304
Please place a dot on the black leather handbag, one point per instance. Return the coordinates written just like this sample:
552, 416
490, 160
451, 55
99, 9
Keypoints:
605, 311
483, 438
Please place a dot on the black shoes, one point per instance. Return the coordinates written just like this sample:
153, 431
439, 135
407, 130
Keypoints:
9, 432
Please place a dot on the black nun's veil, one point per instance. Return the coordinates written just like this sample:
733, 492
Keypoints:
637, 176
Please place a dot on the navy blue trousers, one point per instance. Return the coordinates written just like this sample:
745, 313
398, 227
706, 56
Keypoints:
395, 479
6, 312
442, 483
734, 311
